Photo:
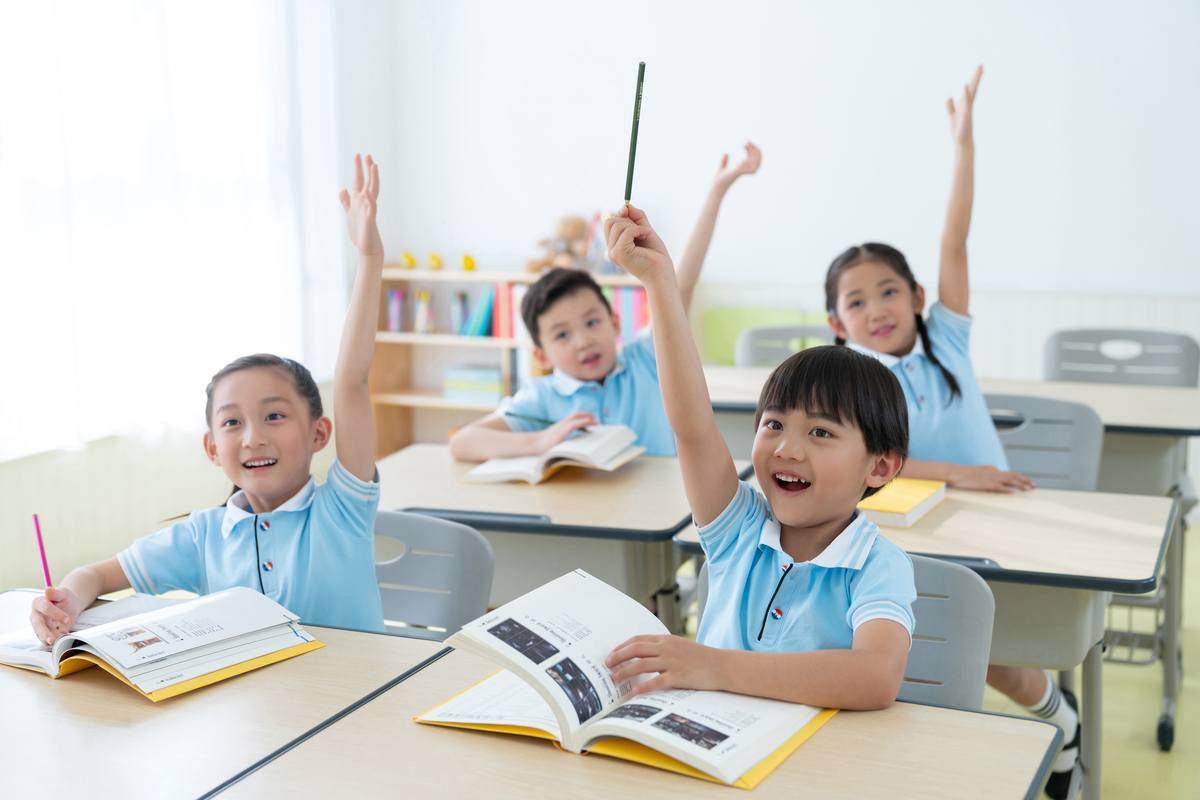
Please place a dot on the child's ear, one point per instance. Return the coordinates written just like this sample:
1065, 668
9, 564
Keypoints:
839, 330
919, 299
322, 433
616, 322
210, 449
543, 360
884, 469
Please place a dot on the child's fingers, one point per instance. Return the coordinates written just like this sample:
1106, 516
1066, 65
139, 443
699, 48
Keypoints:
358, 173
40, 630
344, 197
950, 106
724, 161
637, 216
44, 606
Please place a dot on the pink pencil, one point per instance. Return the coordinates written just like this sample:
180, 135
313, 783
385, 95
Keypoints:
42, 550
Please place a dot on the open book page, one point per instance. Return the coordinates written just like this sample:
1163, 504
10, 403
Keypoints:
504, 699
558, 636
596, 446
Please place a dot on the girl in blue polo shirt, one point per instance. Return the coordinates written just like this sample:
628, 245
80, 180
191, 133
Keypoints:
308, 546
875, 304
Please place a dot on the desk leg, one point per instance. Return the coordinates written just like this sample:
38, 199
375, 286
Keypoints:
1091, 717
1170, 637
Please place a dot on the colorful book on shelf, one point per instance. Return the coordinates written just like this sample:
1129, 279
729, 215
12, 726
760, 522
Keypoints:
552, 644
422, 311
467, 384
903, 501
395, 309
482, 314
459, 310
159, 647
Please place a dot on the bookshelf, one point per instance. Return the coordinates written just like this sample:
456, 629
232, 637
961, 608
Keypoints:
394, 395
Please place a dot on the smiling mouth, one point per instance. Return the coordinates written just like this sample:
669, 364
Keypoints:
790, 484
259, 464
591, 361
886, 330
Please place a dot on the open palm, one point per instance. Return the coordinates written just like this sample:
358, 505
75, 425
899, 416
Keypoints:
360, 206
960, 115
726, 174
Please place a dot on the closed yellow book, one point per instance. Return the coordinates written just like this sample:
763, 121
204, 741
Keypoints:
903, 501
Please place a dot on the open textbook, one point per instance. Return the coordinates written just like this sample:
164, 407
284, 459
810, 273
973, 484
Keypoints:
604, 447
162, 647
553, 642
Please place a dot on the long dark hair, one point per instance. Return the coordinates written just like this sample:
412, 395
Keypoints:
891, 257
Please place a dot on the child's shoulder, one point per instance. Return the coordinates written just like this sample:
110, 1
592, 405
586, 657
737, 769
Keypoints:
884, 556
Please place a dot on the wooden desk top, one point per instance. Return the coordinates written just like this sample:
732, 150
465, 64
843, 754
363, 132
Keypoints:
1085, 540
906, 751
643, 500
1153, 410
89, 734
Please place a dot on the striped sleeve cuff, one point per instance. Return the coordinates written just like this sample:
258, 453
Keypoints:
732, 515
882, 609
135, 571
340, 479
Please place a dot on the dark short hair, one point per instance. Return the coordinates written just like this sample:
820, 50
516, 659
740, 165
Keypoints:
549, 289
301, 377
847, 385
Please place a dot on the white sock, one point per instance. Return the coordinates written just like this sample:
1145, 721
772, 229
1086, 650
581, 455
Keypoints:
1053, 708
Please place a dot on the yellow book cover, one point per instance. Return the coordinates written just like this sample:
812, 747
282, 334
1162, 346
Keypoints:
903, 501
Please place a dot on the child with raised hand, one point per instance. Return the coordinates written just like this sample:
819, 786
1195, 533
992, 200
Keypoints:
575, 334
875, 304
807, 602
308, 546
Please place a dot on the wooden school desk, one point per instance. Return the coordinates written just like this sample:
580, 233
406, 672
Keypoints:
1051, 558
616, 525
89, 735
906, 751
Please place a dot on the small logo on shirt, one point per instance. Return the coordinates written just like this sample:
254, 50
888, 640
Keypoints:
777, 613
266, 525
268, 566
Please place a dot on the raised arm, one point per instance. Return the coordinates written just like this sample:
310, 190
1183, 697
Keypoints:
691, 259
709, 477
353, 424
953, 284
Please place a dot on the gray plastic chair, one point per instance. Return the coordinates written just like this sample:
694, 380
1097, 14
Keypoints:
770, 347
1055, 442
432, 573
947, 664
1108, 355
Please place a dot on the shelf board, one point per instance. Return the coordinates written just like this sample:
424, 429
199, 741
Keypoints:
392, 272
428, 398
447, 339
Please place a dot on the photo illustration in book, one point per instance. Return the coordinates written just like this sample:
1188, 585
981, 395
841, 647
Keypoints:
633, 712
691, 731
523, 640
126, 633
579, 689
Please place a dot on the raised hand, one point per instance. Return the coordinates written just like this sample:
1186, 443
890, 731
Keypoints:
726, 174
960, 115
633, 245
359, 206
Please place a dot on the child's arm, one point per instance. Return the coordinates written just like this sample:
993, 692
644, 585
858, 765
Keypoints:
953, 284
54, 613
709, 476
865, 677
353, 423
691, 260
490, 437
984, 477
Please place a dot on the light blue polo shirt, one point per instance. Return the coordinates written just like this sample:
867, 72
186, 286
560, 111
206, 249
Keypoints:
316, 552
630, 395
958, 432
759, 599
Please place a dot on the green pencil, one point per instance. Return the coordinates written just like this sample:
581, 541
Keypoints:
536, 419
637, 113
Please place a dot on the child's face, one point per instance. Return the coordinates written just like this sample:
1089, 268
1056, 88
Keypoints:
262, 435
829, 459
579, 336
876, 309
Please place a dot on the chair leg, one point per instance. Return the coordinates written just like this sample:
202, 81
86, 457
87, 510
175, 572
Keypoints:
1091, 718
1170, 638
1066, 680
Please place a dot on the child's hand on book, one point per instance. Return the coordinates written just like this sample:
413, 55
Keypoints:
634, 246
54, 613
726, 174
360, 209
548, 437
680, 663
960, 115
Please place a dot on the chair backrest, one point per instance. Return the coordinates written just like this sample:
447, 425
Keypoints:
770, 347
1107, 355
1055, 442
432, 573
947, 664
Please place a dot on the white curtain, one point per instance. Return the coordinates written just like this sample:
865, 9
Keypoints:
167, 204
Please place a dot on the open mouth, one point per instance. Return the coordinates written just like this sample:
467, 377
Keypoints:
886, 330
259, 464
789, 484
592, 360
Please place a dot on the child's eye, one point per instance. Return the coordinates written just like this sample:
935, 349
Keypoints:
591, 323
856, 304
558, 337
821, 433
889, 292
774, 425
229, 423
274, 415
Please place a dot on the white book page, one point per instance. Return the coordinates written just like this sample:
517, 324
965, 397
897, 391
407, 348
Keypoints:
188, 625
503, 699
598, 445
496, 469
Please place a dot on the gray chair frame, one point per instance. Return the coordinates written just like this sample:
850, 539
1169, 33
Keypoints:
768, 347
1165, 359
1055, 442
441, 579
954, 610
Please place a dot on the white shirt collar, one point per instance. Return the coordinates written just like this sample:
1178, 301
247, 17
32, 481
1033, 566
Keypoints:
849, 549
567, 385
887, 359
237, 508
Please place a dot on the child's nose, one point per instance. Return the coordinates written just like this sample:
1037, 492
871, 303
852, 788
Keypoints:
790, 448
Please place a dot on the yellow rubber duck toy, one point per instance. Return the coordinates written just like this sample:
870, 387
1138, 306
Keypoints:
408, 260
468, 264
435, 261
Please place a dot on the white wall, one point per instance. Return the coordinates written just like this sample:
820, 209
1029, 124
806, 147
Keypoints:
511, 114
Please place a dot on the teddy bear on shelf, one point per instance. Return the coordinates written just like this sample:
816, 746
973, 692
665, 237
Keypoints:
566, 249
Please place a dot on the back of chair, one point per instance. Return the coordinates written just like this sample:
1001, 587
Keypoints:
770, 347
947, 664
1055, 442
432, 573
1149, 358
